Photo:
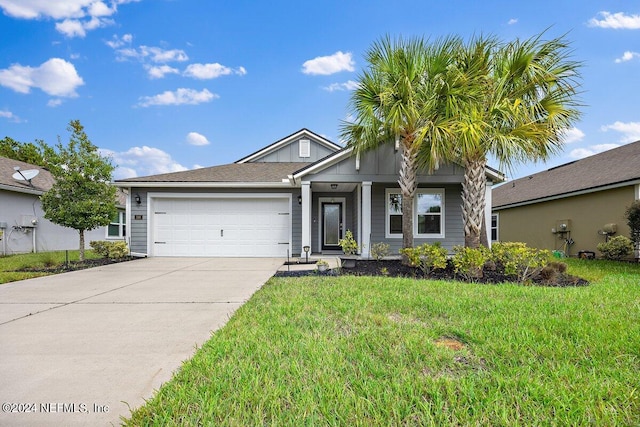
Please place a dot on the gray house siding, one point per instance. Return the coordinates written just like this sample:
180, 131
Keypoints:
453, 228
291, 153
138, 242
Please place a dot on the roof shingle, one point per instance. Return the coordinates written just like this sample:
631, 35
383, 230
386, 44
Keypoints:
614, 166
41, 183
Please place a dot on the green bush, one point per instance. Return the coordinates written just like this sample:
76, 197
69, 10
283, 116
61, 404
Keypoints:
348, 243
379, 250
468, 262
632, 214
111, 250
519, 260
616, 248
426, 257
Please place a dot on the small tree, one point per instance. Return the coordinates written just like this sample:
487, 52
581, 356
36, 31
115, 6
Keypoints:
632, 214
81, 197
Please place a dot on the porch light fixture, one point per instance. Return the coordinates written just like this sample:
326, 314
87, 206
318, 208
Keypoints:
306, 251
137, 199
334, 186
300, 200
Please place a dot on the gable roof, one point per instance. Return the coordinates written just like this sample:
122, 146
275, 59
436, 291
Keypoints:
286, 140
39, 184
234, 173
616, 167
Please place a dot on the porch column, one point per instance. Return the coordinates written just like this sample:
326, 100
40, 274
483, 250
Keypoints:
487, 210
366, 219
306, 215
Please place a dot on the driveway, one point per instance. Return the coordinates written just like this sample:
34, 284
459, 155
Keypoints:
81, 348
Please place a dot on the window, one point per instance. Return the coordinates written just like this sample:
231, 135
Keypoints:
305, 148
117, 229
428, 213
429, 218
494, 227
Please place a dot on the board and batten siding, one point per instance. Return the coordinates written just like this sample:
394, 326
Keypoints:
138, 228
291, 153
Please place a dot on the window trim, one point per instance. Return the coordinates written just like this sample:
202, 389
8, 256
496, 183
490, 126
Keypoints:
416, 235
121, 225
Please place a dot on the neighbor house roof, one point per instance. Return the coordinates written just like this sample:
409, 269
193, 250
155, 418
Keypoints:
616, 167
230, 173
39, 184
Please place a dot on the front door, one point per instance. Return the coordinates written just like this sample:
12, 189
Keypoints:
331, 225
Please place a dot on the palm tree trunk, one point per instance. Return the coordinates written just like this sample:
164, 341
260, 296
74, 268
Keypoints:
473, 202
408, 185
81, 249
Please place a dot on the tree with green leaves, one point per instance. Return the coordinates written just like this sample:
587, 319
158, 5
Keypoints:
632, 214
81, 197
27, 152
524, 99
408, 95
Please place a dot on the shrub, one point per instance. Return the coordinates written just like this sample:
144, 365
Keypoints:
348, 243
632, 214
111, 250
426, 257
468, 262
616, 248
519, 260
379, 250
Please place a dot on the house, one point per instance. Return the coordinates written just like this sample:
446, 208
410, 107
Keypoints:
23, 227
301, 192
571, 207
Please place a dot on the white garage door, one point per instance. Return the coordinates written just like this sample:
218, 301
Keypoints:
244, 227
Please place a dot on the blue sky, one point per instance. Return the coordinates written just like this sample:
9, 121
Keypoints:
169, 85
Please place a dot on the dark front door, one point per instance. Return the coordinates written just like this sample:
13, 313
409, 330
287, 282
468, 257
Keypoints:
331, 225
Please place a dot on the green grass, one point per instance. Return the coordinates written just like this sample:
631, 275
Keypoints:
364, 351
10, 263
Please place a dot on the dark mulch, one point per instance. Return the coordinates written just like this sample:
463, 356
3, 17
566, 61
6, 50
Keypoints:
75, 265
395, 268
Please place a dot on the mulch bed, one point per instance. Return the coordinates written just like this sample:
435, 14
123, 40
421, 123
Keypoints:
75, 265
395, 268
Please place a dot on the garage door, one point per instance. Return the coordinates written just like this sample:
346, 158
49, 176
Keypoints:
219, 227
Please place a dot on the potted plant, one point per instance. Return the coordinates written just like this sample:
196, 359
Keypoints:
322, 265
350, 248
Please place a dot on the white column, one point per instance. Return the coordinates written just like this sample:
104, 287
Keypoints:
365, 220
306, 215
487, 210
637, 191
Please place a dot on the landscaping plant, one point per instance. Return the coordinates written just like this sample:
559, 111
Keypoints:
616, 248
348, 243
426, 257
519, 260
379, 250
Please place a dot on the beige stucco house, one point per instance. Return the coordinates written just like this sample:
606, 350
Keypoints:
571, 207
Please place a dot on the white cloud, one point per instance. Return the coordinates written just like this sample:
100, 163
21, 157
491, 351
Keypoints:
325, 65
54, 102
627, 56
142, 161
117, 42
512, 21
572, 135
580, 153
55, 77
348, 85
6, 114
194, 138
73, 17
616, 21
179, 97
161, 71
197, 166
147, 53
630, 131
211, 71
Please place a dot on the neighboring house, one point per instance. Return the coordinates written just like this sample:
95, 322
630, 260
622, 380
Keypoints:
23, 227
301, 191
589, 196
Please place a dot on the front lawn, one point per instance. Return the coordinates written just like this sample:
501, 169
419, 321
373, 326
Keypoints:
387, 351
10, 263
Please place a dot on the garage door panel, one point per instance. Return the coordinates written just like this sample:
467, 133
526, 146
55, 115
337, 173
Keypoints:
221, 226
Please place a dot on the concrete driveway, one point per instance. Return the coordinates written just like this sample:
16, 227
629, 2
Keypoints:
81, 348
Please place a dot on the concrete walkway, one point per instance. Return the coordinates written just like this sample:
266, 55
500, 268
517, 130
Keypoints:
81, 348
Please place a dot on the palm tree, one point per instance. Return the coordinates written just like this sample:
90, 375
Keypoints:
401, 98
524, 99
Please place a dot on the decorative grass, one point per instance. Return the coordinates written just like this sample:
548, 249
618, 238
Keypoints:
10, 263
362, 351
